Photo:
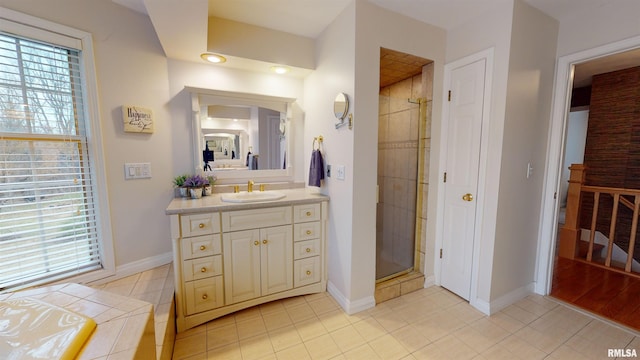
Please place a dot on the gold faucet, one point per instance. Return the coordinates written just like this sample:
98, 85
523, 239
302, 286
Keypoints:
250, 186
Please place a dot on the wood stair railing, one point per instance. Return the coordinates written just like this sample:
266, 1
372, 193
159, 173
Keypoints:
570, 244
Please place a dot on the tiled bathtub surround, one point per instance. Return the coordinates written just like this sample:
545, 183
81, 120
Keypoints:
155, 286
125, 326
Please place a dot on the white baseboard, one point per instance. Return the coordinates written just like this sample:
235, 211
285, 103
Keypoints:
135, 267
350, 307
505, 300
429, 281
481, 305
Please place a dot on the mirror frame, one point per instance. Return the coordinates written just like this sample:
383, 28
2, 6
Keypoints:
204, 97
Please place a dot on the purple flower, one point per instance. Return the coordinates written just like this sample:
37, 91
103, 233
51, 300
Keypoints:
196, 181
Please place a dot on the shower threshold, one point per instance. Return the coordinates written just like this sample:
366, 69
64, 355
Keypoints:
398, 285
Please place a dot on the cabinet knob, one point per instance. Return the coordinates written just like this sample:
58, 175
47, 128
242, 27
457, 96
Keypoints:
203, 269
264, 241
204, 297
201, 225
308, 272
256, 243
308, 232
202, 247
308, 213
308, 250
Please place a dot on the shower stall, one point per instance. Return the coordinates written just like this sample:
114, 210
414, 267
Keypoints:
403, 151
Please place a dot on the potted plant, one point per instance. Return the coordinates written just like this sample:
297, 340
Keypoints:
208, 188
178, 182
195, 184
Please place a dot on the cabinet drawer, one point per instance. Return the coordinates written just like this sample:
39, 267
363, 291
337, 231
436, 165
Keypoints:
200, 224
306, 213
200, 246
203, 295
306, 271
202, 268
305, 231
305, 249
256, 218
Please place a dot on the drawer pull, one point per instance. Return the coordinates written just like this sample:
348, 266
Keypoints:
308, 272
256, 243
308, 250
264, 242
308, 213
204, 297
202, 247
201, 226
308, 232
203, 269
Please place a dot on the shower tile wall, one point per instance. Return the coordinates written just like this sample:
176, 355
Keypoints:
398, 178
397, 174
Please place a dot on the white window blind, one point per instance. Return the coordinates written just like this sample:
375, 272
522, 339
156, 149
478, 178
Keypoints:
48, 222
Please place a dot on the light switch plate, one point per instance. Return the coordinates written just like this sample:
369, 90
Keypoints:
137, 171
340, 172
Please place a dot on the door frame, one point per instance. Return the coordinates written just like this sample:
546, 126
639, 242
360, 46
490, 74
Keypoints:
487, 55
547, 236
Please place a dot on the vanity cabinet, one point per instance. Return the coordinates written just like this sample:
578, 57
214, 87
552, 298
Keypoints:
233, 257
258, 260
201, 262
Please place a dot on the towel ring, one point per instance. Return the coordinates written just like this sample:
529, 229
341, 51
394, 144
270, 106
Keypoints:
317, 140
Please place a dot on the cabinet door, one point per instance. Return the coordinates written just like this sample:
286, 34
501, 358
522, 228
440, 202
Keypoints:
276, 259
241, 265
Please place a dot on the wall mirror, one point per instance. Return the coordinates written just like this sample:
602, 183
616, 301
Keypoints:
341, 106
248, 135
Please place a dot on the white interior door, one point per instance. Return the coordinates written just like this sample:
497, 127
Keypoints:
464, 126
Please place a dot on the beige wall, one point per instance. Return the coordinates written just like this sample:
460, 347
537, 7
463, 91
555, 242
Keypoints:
588, 28
529, 95
348, 53
131, 69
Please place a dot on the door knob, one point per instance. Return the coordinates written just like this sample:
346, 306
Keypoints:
467, 197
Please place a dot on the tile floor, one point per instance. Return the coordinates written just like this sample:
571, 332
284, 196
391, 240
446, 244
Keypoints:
427, 324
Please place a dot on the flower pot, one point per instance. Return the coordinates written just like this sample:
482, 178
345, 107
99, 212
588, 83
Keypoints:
183, 191
207, 190
195, 193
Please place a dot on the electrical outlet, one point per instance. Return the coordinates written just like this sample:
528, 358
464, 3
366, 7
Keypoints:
340, 170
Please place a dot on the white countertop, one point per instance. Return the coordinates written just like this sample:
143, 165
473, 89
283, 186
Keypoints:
214, 203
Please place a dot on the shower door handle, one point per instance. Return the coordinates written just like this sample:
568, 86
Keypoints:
467, 197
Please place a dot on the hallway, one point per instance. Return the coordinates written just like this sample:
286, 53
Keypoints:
606, 293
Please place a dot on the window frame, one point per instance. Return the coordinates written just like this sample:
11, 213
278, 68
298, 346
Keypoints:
47, 31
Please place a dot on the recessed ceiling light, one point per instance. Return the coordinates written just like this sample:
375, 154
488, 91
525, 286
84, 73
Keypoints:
213, 58
279, 69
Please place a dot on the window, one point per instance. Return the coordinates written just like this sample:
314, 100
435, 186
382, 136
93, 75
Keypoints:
49, 204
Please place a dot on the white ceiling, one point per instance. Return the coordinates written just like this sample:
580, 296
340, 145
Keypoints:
309, 18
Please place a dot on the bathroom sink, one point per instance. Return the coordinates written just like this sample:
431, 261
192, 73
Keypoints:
254, 196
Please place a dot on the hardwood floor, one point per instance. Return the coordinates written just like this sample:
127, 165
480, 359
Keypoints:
609, 294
